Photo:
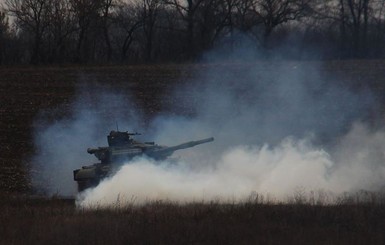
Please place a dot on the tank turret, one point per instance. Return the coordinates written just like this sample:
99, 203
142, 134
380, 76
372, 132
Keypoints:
121, 149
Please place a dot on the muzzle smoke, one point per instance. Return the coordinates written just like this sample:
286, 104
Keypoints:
277, 128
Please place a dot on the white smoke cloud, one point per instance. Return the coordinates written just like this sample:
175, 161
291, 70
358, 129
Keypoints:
62, 144
239, 172
277, 127
243, 170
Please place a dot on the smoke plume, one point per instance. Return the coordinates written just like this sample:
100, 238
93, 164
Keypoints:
61, 144
278, 127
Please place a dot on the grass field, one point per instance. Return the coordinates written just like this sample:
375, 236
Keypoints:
57, 221
27, 91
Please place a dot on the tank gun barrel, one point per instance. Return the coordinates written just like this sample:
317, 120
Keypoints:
165, 152
191, 144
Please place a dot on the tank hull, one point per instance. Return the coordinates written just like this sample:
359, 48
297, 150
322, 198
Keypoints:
122, 149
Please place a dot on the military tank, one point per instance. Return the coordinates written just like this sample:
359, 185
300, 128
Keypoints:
122, 147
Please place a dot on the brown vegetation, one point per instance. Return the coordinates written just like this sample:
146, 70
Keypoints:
57, 221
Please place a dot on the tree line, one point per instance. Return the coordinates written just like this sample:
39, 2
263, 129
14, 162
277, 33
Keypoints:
155, 31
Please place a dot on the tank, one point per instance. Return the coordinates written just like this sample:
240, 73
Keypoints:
122, 148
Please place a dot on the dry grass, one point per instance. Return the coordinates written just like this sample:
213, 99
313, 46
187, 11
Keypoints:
57, 221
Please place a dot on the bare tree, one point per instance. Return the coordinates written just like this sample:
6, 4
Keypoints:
180, 30
213, 17
61, 26
31, 16
150, 10
244, 16
272, 13
187, 10
128, 19
4, 32
358, 20
352, 17
378, 37
108, 6
87, 14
